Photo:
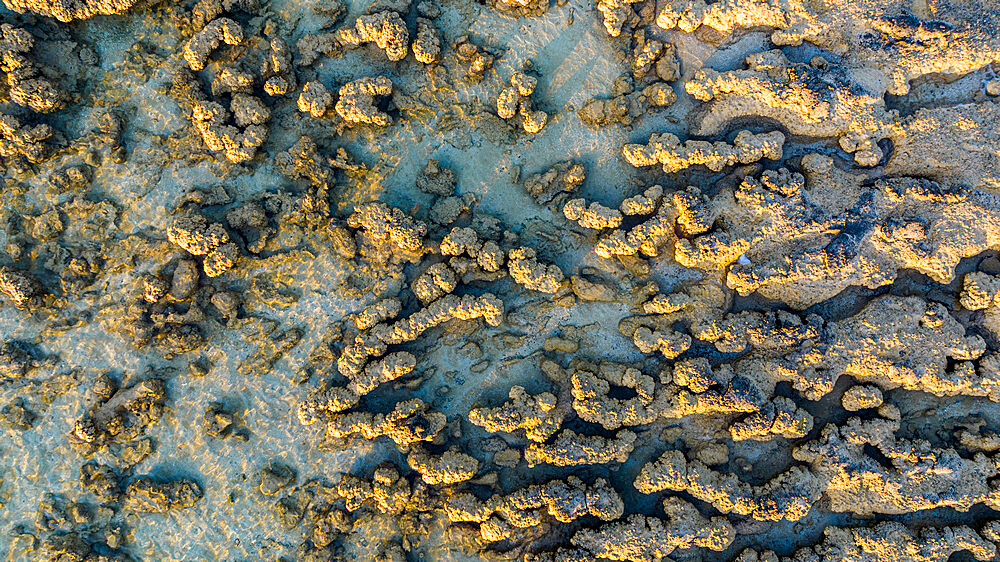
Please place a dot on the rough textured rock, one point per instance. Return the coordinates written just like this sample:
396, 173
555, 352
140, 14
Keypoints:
641, 538
538, 415
217, 32
386, 29
829, 245
67, 11
668, 151
356, 102
570, 449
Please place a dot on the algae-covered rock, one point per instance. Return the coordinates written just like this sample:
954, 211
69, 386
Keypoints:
146, 495
624, 280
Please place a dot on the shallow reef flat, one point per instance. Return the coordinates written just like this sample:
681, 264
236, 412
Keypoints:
508, 280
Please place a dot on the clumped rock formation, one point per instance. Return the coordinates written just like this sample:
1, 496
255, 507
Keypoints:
311, 46
217, 32
615, 13
18, 140
315, 99
779, 417
668, 151
488, 307
959, 47
402, 280
592, 401
427, 43
22, 289
387, 228
839, 470
386, 29
856, 241
500, 517
386, 490
237, 126
450, 467
540, 415
408, 423
515, 101
800, 97
525, 269
571, 449
520, 8
594, 215
628, 103
385, 309
146, 495
888, 540
356, 101
200, 238
119, 415
25, 84
867, 346
212, 120
436, 281
464, 244
979, 293
476, 60
862, 397
556, 184
70, 10
277, 69
788, 496
641, 538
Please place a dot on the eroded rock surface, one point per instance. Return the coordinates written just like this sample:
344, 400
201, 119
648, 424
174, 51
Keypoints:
630, 280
